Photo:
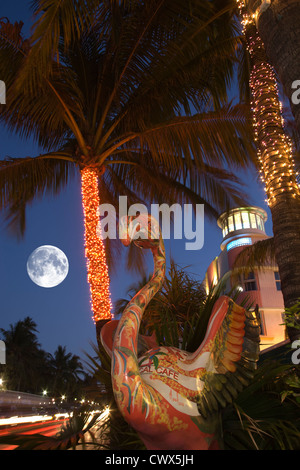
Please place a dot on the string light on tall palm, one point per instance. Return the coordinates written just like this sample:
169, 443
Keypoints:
275, 162
98, 277
274, 146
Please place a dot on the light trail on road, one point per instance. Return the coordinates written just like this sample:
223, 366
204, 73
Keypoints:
46, 427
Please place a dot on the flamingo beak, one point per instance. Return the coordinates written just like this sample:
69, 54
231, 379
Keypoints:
126, 241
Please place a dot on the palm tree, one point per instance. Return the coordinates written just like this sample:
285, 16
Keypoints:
276, 165
133, 96
25, 359
66, 370
278, 27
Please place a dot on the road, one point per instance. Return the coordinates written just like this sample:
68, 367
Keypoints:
47, 427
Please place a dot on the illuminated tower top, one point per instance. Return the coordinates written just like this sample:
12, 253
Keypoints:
242, 226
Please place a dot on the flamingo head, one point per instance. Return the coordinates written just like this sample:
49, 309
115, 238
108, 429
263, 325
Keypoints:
141, 229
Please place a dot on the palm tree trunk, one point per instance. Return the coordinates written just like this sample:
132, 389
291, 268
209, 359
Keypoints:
275, 158
279, 29
98, 277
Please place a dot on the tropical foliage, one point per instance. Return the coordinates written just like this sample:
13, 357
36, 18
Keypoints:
265, 415
292, 316
137, 88
177, 304
30, 369
255, 257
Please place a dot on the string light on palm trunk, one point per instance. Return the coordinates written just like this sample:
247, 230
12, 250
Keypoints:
275, 149
274, 146
97, 269
246, 17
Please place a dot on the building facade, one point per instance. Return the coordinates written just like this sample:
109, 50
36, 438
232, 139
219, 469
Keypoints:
241, 227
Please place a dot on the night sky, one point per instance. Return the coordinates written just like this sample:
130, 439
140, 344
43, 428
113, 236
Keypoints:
62, 314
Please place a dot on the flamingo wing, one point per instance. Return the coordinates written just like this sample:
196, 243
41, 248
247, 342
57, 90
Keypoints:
233, 343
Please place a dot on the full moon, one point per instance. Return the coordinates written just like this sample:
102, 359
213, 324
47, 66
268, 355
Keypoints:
47, 266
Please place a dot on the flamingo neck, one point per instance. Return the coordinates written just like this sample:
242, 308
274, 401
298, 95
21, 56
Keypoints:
132, 315
126, 376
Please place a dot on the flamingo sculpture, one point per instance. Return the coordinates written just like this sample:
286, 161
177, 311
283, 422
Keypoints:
173, 398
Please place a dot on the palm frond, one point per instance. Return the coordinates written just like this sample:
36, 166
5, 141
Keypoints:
24, 179
53, 19
13, 49
259, 419
218, 138
215, 187
160, 69
255, 256
99, 366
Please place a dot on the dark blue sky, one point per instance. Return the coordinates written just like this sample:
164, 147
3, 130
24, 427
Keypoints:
63, 313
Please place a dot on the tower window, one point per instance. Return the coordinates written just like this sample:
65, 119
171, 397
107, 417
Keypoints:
242, 219
245, 219
225, 230
277, 280
250, 282
230, 224
253, 221
238, 221
259, 222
